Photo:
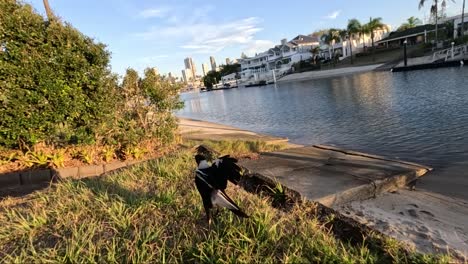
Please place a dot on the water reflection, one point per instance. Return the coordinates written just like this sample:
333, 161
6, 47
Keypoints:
420, 116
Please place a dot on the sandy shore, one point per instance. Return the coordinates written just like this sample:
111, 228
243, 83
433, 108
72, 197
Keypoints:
327, 73
427, 221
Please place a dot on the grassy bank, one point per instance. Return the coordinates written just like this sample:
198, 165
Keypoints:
153, 213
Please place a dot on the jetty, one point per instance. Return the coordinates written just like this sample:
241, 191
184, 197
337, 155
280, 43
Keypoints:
455, 56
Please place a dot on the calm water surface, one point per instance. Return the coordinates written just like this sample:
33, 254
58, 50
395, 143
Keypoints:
420, 116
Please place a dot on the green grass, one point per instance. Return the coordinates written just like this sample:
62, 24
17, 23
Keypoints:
152, 213
237, 148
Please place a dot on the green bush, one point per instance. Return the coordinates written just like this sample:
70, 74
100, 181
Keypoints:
56, 87
147, 109
55, 82
211, 78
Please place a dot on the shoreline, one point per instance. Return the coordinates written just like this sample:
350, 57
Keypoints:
427, 221
195, 129
313, 75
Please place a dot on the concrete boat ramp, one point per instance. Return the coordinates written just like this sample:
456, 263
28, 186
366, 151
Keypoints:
372, 190
332, 176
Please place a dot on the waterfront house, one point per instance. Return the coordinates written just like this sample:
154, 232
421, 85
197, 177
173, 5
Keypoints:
305, 43
457, 24
230, 79
413, 36
279, 59
358, 42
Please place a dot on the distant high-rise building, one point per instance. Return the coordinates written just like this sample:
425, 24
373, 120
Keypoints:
170, 77
184, 76
188, 76
213, 63
191, 66
228, 61
205, 69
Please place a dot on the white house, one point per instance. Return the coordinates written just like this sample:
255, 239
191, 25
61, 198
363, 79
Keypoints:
457, 24
359, 43
279, 59
229, 79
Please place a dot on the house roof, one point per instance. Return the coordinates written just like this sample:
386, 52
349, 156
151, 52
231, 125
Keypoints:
303, 39
443, 20
411, 32
281, 47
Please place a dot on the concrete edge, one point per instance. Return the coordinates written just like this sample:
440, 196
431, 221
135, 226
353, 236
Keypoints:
10, 179
372, 156
372, 189
34, 177
338, 74
231, 130
362, 192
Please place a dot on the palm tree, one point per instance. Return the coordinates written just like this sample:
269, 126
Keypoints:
374, 25
315, 51
354, 27
371, 27
463, 20
50, 14
410, 23
331, 37
434, 12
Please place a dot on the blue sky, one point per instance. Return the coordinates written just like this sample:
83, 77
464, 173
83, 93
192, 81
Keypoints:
143, 33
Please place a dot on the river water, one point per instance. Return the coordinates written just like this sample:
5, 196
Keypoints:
419, 116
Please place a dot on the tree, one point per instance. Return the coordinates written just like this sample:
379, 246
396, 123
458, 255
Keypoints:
229, 68
410, 23
330, 38
315, 52
463, 20
435, 12
50, 14
354, 28
211, 78
319, 33
374, 25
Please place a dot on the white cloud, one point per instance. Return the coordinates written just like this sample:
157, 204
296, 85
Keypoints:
333, 15
154, 12
152, 59
257, 46
200, 36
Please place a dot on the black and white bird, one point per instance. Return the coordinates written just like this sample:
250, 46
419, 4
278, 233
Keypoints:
211, 182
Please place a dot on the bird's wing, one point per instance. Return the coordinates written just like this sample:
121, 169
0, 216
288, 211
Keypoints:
220, 198
227, 168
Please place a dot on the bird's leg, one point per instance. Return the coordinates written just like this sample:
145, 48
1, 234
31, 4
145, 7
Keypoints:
208, 215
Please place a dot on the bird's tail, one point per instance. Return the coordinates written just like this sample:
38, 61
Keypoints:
239, 213
220, 198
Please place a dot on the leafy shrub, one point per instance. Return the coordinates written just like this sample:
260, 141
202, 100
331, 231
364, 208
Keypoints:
55, 82
138, 153
87, 155
38, 158
57, 159
108, 154
147, 109
57, 87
